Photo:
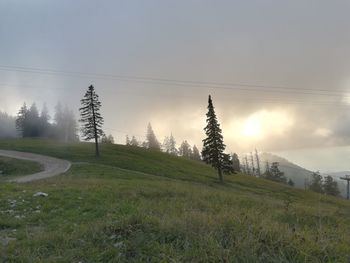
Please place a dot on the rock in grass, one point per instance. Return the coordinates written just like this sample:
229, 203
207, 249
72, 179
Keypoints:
40, 194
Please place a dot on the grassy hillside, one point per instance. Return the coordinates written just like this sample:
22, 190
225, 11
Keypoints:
133, 205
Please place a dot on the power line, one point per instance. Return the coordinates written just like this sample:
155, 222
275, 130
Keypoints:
185, 83
249, 100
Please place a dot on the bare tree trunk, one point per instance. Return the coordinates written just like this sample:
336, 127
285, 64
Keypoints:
257, 163
252, 162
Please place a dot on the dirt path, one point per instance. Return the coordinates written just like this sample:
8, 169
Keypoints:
52, 166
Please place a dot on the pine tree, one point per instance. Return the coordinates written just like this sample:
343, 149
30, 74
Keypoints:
165, 145
21, 120
65, 127
32, 123
107, 139
236, 163
70, 126
185, 150
213, 145
151, 139
127, 140
58, 118
275, 174
330, 187
91, 117
316, 183
290, 182
195, 154
267, 169
134, 142
110, 139
44, 121
227, 164
169, 145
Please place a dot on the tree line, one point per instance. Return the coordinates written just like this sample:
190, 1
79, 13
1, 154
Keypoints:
323, 185
169, 145
63, 126
32, 123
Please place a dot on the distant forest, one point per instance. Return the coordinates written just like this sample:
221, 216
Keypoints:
30, 122
33, 122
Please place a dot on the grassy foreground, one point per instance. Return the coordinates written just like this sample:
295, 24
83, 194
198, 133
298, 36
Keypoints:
10, 167
133, 205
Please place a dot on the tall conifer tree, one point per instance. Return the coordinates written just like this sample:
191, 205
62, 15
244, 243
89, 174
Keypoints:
151, 139
21, 120
91, 117
195, 153
213, 145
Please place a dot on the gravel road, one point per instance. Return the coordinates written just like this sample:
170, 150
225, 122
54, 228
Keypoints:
52, 166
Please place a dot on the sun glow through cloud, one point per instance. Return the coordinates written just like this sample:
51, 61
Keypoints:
259, 126
264, 123
251, 127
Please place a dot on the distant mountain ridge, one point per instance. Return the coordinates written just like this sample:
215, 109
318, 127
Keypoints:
298, 174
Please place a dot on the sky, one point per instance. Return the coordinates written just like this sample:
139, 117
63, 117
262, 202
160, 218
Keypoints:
278, 71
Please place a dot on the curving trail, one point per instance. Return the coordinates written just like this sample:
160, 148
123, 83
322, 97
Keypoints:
52, 166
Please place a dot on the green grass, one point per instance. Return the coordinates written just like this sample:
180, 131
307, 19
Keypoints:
133, 205
10, 167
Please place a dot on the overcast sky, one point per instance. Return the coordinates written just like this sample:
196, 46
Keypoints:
278, 71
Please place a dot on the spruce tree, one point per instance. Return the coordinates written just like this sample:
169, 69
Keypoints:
213, 145
166, 144
316, 184
185, 150
236, 163
151, 139
290, 182
32, 127
172, 145
127, 140
330, 187
275, 174
91, 117
134, 142
21, 120
195, 154
169, 145
44, 121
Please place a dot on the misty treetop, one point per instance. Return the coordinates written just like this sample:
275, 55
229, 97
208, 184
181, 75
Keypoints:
151, 139
236, 164
31, 123
169, 145
91, 117
107, 139
185, 150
